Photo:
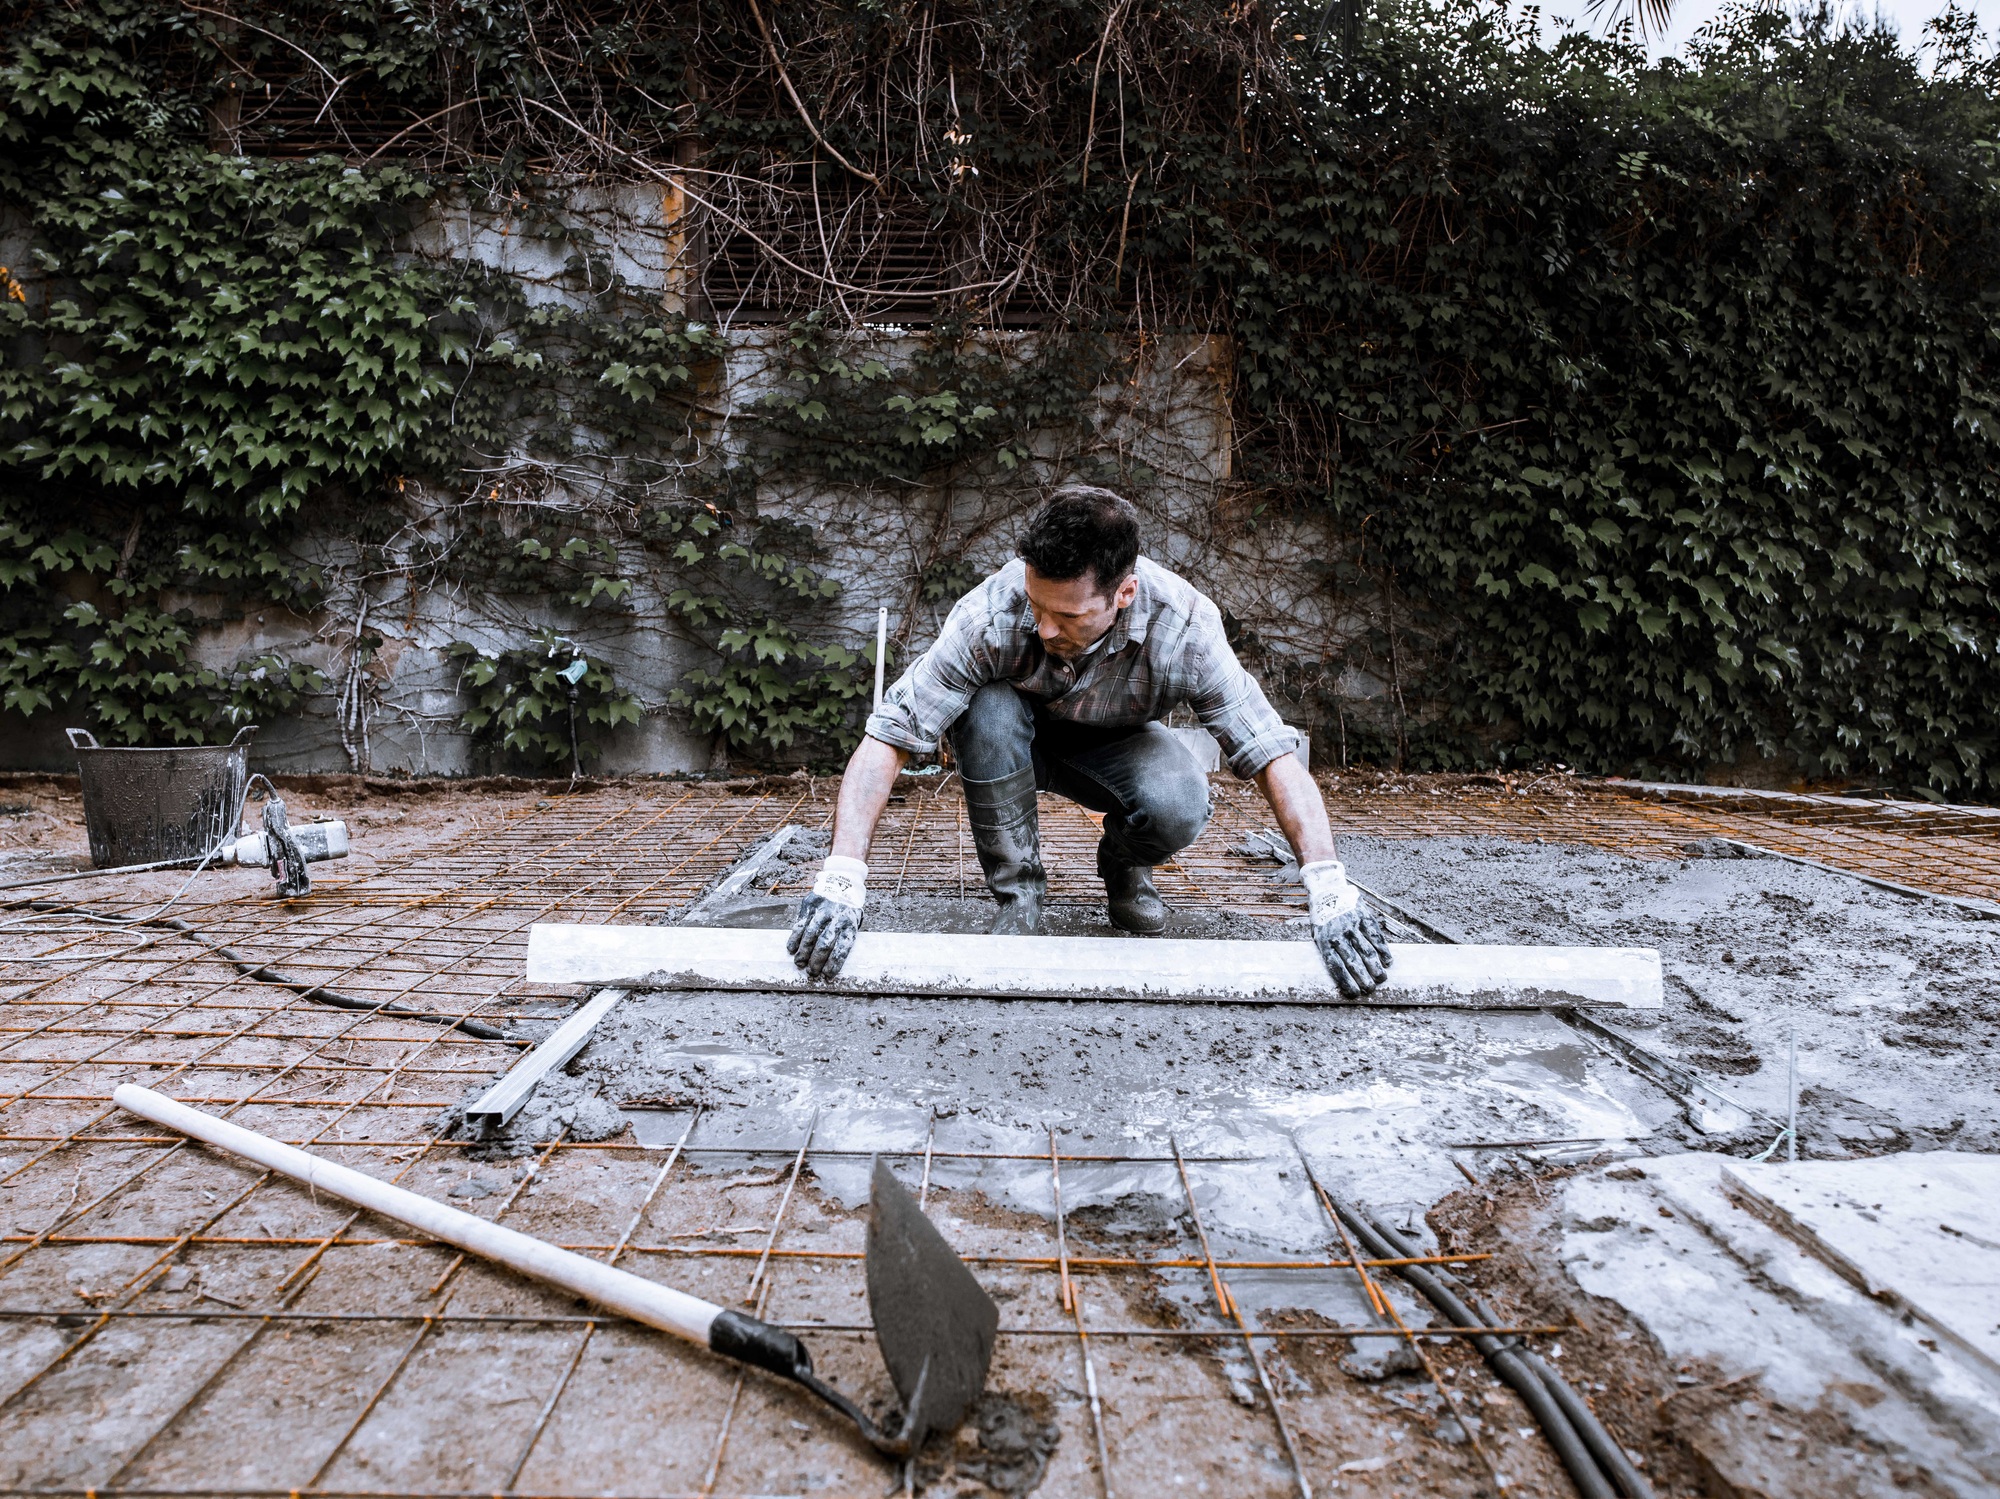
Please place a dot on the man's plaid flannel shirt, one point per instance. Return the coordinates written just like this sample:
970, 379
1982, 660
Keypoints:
1167, 648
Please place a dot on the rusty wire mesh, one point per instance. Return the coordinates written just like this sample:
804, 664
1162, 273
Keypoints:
176, 1322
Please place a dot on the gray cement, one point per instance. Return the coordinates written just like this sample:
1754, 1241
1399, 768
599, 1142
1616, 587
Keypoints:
1716, 1286
1373, 1098
1895, 1001
1892, 1002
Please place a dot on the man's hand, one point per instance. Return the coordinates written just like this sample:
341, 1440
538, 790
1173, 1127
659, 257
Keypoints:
829, 918
1350, 939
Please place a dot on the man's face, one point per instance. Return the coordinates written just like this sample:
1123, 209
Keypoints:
1074, 614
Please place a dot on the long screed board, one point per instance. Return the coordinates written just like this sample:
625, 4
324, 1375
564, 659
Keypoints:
1159, 968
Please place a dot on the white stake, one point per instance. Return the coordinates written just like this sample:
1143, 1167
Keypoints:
881, 653
1792, 1092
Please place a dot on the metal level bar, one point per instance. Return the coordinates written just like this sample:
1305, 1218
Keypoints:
505, 1098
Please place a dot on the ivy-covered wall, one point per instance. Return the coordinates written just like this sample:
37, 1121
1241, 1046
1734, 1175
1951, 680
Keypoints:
425, 380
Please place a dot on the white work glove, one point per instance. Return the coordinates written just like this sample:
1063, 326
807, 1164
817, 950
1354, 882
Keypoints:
1349, 937
829, 918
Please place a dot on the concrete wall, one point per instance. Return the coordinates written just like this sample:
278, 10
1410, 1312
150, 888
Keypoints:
1171, 417
1166, 419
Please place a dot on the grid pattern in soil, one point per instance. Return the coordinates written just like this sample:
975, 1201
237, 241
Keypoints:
178, 1322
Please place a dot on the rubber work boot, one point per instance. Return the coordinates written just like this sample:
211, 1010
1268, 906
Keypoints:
1007, 834
1130, 897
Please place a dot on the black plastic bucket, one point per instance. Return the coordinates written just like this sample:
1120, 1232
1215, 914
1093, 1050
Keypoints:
141, 806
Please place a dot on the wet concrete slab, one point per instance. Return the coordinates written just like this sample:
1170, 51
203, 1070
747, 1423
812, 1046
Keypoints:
1714, 1282
1919, 1231
1377, 1099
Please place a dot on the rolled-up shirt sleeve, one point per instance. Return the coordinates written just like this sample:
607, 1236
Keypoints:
1228, 701
928, 698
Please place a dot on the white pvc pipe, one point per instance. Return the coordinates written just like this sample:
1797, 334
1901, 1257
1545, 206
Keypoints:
1158, 970
881, 652
630, 1295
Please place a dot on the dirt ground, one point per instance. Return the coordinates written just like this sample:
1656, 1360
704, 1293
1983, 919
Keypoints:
1892, 1004
42, 831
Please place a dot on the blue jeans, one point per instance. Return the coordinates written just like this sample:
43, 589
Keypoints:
1153, 796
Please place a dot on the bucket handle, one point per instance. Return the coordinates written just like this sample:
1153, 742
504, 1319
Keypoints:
82, 738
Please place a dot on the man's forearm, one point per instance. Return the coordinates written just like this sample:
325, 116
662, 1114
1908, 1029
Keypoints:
1294, 797
864, 791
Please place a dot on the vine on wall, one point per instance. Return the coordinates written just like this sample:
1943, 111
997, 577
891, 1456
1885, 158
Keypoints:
207, 345
545, 702
1657, 403
1667, 400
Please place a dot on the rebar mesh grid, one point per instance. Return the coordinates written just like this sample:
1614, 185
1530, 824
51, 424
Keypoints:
922, 846
1940, 850
179, 1323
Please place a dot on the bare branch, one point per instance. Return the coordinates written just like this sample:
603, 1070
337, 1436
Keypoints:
771, 46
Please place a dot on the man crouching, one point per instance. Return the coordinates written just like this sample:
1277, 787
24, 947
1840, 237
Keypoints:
1054, 675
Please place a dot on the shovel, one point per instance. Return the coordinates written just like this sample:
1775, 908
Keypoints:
935, 1325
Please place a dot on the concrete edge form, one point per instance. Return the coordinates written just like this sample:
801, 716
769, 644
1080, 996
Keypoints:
732, 883
1042, 967
503, 1100
1976, 906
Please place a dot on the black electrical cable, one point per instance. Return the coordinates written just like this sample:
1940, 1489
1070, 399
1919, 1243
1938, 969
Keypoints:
1603, 1446
263, 973
1610, 1457
1505, 1359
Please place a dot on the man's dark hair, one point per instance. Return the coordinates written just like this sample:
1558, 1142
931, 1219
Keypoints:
1083, 529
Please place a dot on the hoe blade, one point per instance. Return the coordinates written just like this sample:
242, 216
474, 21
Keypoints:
934, 1323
